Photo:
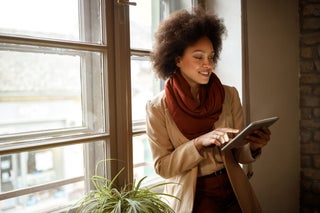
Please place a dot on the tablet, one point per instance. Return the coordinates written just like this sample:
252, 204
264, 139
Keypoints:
239, 139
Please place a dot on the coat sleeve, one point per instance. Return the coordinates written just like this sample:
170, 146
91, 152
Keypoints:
169, 158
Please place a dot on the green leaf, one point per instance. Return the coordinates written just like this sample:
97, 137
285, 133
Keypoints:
132, 198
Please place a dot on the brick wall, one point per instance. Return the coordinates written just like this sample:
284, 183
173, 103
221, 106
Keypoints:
310, 105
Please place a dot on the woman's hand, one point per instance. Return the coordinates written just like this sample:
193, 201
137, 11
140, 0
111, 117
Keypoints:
216, 137
259, 138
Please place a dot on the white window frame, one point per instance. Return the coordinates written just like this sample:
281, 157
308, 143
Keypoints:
23, 142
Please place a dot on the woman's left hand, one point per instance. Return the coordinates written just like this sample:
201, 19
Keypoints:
259, 138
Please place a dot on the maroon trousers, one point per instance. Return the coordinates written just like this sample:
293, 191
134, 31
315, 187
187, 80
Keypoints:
214, 194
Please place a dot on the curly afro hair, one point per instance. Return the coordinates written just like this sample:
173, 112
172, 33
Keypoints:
181, 30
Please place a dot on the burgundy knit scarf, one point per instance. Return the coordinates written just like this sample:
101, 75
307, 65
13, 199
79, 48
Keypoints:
192, 117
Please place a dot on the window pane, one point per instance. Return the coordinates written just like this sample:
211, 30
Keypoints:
44, 201
142, 159
38, 167
28, 169
146, 16
144, 86
141, 24
59, 176
57, 19
48, 88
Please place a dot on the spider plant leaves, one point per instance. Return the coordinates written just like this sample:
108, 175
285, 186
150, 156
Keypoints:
131, 198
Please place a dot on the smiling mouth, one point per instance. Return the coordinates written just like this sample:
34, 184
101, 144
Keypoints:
206, 73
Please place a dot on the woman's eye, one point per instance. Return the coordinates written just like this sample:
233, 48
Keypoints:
200, 58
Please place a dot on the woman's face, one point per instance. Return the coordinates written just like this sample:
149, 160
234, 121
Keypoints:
196, 63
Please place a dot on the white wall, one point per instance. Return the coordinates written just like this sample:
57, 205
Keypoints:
274, 90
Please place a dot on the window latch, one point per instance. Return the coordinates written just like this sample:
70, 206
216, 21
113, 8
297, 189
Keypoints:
126, 2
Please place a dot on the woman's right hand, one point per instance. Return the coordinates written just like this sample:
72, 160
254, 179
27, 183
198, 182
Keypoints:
216, 137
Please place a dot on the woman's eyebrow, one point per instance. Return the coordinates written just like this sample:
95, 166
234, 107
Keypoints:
201, 51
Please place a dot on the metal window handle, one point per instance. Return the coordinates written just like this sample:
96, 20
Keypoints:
126, 2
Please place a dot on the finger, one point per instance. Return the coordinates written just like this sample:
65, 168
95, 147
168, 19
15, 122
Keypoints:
224, 132
216, 135
217, 142
262, 134
216, 139
222, 136
266, 130
258, 145
256, 137
257, 141
225, 137
228, 130
219, 136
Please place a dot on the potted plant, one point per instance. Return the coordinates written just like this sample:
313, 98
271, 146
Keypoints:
132, 198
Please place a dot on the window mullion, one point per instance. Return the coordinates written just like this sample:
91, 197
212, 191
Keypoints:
42, 187
122, 92
25, 144
20, 40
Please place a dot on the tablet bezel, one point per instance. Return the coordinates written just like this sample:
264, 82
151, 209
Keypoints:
238, 140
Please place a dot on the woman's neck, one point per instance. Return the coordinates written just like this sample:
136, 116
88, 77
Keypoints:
195, 92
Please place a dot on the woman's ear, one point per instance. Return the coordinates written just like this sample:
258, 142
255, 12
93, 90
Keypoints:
178, 61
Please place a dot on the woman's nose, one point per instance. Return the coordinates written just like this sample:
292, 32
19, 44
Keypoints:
208, 64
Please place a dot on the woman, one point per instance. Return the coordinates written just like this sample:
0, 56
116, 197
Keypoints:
194, 115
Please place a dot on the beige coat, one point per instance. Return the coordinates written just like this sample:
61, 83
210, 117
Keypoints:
176, 158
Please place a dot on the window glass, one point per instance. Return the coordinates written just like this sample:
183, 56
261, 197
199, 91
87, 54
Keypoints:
32, 168
145, 85
38, 168
56, 19
142, 161
141, 24
146, 16
47, 179
41, 88
45, 201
